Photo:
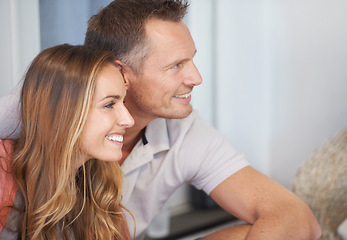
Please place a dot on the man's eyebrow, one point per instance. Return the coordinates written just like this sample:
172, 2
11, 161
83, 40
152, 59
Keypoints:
185, 59
179, 61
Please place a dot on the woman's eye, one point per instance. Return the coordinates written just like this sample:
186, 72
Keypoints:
110, 105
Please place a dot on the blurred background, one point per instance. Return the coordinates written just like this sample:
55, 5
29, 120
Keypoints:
274, 71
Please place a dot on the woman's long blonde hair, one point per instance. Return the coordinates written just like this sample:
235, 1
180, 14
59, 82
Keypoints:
58, 202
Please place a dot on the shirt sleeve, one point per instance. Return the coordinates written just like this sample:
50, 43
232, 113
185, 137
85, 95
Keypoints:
9, 115
207, 156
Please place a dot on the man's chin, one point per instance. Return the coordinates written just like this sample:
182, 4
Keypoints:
179, 114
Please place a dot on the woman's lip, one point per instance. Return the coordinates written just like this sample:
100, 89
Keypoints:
115, 137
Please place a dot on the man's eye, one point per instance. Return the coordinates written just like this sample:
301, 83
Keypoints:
110, 105
178, 65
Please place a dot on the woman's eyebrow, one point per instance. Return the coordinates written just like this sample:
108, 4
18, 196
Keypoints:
111, 96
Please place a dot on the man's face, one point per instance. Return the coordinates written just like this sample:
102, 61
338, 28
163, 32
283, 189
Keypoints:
163, 88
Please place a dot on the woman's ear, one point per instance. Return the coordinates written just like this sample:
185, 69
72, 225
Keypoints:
123, 70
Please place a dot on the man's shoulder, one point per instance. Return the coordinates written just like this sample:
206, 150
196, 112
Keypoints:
174, 125
192, 130
193, 125
184, 124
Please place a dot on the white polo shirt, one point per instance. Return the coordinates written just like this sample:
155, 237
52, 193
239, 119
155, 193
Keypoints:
173, 152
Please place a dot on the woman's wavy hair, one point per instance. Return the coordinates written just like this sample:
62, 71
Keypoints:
60, 203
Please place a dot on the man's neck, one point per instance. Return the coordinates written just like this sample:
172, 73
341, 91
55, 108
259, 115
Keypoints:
130, 140
132, 136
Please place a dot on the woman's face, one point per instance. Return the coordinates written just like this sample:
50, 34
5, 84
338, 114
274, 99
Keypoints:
102, 136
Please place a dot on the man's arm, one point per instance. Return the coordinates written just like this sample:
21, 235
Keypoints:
231, 233
9, 115
272, 211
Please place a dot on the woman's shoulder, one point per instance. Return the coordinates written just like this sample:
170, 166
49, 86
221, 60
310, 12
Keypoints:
6, 149
8, 186
6, 152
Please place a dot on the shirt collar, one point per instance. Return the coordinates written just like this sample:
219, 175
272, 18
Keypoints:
144, 139
154, 140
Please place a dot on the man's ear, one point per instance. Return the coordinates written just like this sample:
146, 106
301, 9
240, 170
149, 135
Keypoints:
120, 66
123, 70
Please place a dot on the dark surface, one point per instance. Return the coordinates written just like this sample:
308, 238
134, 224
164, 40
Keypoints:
194, 221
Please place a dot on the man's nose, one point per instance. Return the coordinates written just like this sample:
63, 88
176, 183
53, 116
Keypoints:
193, 76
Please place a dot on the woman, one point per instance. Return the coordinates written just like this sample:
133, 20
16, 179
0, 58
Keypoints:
66, 179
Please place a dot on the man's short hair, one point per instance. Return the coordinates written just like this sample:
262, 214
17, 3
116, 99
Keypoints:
119, 27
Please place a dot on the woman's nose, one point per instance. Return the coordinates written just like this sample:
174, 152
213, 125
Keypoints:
126, 120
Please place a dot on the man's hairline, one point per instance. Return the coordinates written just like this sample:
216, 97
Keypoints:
143, 54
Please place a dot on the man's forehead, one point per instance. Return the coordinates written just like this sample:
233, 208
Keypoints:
169, 33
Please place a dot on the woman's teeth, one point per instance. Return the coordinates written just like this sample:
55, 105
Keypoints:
183, 96
115, 138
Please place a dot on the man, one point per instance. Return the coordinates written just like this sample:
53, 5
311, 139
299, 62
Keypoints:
169, 143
